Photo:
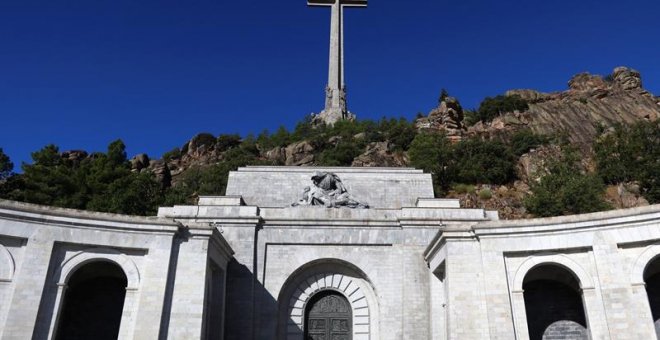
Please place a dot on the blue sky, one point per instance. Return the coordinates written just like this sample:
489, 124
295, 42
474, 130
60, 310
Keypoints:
80, 73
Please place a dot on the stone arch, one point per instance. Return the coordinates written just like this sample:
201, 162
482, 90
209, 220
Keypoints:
583, 278
7, 265
64, 272
594, 313
68, 267
644, 278
647, 256
553, 304
93, 304
323, 275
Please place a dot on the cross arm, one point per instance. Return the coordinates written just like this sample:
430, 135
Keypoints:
354, 3
320, 2
346, 3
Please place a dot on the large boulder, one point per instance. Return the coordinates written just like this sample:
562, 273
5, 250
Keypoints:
447, 117
379, 154
75, 156
161, 171
200, 145
627, 78
530, 96
301, 153
139, 162
533, 165
585, 82
625, 195
277, 155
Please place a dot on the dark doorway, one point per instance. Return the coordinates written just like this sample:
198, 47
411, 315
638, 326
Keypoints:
652, 280
93, 303
553, 304
328, 316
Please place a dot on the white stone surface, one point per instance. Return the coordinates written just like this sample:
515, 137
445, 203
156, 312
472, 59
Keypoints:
387, 188
414, 268
43, 246
606, 252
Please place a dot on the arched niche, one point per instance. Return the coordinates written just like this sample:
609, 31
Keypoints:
652, 285
553, 304
583, 282
7, 265
321, 276
93, 304
99, 254
70, 265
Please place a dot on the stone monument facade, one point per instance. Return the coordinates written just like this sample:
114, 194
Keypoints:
250, 266
335, 91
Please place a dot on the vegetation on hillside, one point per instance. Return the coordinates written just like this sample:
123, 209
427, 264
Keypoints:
631, 154
101, 182
566, 189
492, 107
106, 181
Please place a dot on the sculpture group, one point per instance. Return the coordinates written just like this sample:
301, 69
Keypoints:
328, 190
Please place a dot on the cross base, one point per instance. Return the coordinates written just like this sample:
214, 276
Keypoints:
335, 107
331, 116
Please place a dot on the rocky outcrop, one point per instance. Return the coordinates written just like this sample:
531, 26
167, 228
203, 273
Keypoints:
161, 171
277, 155
591, 102
380, 154
625, 195
75, 156
506, 199
534, 164
139, 162
200, 150
301, 153
447, 117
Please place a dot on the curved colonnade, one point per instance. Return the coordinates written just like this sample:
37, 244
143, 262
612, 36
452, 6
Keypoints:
225, 269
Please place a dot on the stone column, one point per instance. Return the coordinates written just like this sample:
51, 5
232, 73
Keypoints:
29, 287
466, 301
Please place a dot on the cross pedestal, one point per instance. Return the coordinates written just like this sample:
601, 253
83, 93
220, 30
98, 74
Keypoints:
335, 91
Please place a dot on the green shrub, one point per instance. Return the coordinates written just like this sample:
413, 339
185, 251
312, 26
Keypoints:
6, 166
471, 117
485, 194
172, 154
432, 152
204, 138
492, 107
225, 142
464, 188
479, 161
631, 153
524, 140
340, 155
565, 190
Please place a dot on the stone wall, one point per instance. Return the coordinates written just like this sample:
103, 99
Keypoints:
606, 252
285, 255
41, 248
390, 188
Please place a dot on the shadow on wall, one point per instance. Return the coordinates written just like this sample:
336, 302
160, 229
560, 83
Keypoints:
244, 308
652, 280
98, 275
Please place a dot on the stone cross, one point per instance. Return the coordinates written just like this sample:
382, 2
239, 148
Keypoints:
335, 101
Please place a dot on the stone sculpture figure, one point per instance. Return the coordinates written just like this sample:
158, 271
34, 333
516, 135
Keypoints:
329, 191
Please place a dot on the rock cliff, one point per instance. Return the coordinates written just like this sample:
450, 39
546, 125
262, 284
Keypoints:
590, 104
